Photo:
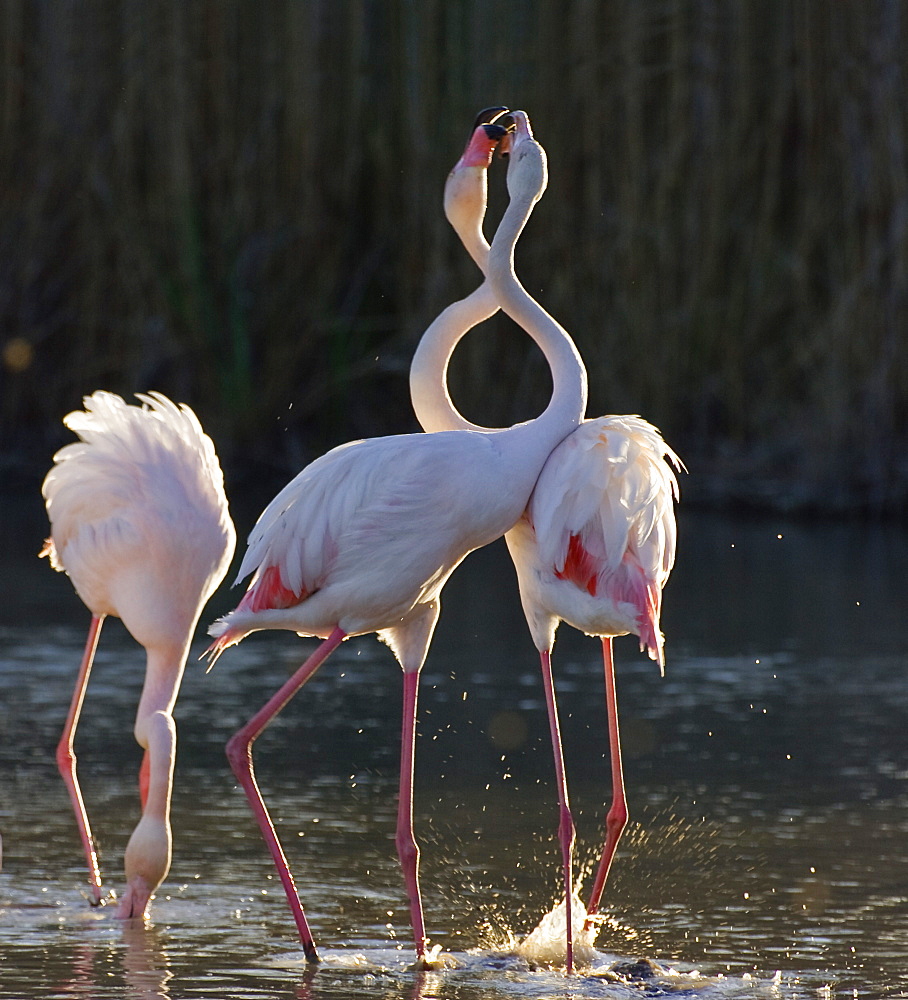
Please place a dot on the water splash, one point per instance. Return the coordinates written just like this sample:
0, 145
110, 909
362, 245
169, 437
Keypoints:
545, 944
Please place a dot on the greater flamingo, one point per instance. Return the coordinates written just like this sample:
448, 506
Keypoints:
597, 542
139, 523
364, 538
594, 549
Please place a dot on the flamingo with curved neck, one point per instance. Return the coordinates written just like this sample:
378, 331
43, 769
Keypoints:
597, 541
365, 537
140, 524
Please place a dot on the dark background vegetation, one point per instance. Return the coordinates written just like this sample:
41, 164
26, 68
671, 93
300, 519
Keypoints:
239, 204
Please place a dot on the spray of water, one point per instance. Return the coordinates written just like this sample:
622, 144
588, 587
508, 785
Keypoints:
545, 944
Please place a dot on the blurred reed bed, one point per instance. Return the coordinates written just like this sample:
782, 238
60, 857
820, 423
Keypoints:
239, 203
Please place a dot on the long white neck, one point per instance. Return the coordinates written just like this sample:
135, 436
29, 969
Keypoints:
465, 207
432, 403
567, 406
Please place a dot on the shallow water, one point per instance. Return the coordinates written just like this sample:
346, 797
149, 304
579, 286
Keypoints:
767, 779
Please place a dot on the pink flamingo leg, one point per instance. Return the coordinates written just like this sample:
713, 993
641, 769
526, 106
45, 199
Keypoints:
566, 823
407, 848
239, 753
616, 820
66, 759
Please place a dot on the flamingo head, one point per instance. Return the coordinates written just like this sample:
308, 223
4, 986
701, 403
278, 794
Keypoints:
465, 189
147, 862
527, 168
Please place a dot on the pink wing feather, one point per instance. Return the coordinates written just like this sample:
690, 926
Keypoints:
603, 516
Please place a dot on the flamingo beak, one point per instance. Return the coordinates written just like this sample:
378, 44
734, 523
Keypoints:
487, 116
506, 142
521, 124
518, 129
495, 132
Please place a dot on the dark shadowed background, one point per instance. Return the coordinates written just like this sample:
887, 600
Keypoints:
239, 204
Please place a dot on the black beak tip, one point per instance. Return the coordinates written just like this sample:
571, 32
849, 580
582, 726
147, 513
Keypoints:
495, 132
488, 115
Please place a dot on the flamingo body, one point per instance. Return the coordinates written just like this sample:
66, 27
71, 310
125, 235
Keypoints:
597, 542
365, 537
139, 522
594, 549
138, 514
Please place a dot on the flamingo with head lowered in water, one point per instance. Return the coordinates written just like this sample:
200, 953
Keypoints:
139, 523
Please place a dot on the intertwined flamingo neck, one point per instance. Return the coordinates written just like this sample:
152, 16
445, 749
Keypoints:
527, 178
465, 204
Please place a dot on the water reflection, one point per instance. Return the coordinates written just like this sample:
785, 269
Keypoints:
767, 777
137, 963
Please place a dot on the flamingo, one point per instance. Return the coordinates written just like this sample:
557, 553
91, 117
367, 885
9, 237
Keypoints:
596, 543
594, 549
139, 523
365, 537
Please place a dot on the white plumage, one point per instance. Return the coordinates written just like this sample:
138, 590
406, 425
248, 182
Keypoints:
139, 522
597, 543
141, 494
364, 538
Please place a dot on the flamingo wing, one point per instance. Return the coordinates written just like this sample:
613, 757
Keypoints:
379, 516
604, 491
603, 519
142, 485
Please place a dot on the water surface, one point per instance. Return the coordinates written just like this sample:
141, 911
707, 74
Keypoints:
767, 779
